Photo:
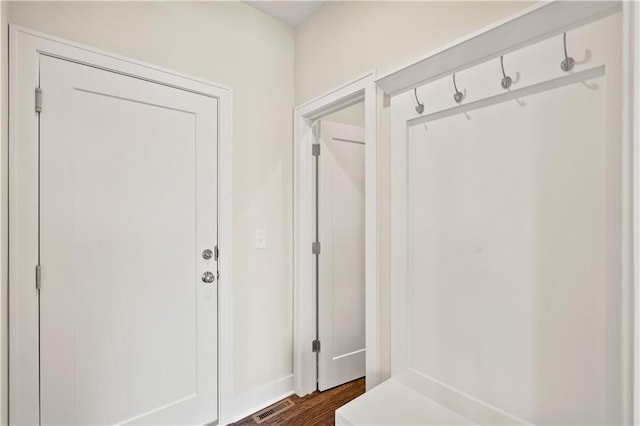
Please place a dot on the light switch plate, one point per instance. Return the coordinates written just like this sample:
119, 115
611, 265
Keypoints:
261, 239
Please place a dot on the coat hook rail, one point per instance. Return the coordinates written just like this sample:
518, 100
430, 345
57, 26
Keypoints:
420, 106
568, 62
458, 96
506, 80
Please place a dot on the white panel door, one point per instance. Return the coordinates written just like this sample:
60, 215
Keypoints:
128, 329
341, 308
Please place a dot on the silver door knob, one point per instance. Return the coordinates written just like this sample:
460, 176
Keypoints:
208, 277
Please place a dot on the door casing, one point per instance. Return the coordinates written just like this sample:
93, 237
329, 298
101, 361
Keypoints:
304, 319
25, 49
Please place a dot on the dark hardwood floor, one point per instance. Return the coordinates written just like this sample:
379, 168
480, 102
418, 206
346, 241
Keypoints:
316, 409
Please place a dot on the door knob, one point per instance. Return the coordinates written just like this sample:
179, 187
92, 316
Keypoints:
208, 277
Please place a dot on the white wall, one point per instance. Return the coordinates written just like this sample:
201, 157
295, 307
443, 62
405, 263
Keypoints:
343, 40
235, 45
353, 115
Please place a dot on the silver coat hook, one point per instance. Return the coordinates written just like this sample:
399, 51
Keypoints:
458, 96
567, 64
506, 80
420, 106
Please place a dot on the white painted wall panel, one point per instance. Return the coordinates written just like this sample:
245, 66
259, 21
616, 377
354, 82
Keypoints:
514, 237
506, 243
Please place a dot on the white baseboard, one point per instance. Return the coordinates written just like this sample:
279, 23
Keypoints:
258, 398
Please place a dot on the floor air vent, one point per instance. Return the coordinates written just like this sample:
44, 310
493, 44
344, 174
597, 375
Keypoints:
273, 410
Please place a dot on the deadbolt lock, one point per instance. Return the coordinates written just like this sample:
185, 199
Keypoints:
207, 254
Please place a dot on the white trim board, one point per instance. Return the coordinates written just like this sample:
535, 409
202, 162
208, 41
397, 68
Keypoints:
540, 21
510, 95
258, 398
304, 360
631, 155
24, 50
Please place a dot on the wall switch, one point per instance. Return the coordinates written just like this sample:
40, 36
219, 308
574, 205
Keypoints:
261, 239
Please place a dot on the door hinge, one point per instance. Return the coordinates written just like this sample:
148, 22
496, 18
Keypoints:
216, 253
315, 247
315, 149
38, 277
38, 99
315, 345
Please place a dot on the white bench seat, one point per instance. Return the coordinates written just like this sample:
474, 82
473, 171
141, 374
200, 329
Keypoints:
393, 403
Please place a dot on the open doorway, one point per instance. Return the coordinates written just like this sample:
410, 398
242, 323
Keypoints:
339, 157
331, 112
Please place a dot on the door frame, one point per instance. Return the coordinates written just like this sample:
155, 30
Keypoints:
25, 48
360, 89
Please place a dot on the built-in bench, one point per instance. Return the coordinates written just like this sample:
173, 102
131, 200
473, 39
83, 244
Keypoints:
412, 398
394, 403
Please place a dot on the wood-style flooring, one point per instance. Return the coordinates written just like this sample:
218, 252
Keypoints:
316, 409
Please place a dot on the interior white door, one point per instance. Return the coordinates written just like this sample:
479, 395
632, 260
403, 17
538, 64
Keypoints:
128, 203
341, 280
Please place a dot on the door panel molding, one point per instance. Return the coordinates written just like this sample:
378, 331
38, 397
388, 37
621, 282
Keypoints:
26, 47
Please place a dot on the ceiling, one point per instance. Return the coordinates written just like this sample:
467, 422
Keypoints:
289, 12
